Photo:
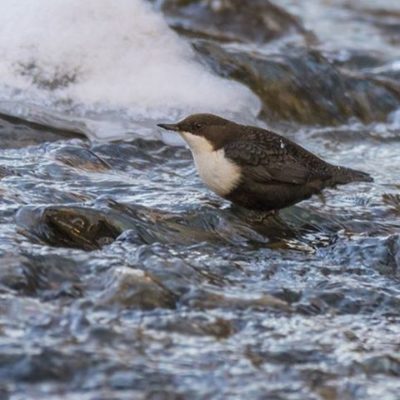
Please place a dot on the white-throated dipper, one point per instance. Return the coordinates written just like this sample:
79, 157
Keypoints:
256, 168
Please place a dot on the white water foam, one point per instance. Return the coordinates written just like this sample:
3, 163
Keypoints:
110, 67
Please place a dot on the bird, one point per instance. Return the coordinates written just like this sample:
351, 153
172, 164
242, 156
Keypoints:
255, 168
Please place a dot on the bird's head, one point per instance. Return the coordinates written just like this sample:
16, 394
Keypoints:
201, 131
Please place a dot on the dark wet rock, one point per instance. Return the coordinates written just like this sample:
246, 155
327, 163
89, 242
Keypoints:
322, 383
219, 328
48, 278
178, 273
151, 225
228, 20
17, 133
143, 382
287, 295
90, 228
132, 288
80, 157
209, 225
292, 356
303, 86
84, 231
312, 307
4, 171
268, 225
355, 59
204, 299
11, 274
349, 300
42, 365
383, 364
79, 227
51, 277
132, 383
392, 200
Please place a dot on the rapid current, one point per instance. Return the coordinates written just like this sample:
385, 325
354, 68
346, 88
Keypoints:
121, 276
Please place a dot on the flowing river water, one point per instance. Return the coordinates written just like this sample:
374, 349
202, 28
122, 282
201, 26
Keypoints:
122, 276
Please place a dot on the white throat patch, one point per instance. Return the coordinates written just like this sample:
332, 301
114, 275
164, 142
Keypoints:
218, 173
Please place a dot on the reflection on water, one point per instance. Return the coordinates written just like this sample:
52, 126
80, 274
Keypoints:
123, 277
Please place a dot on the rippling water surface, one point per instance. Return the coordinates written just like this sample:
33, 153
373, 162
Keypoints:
122, 277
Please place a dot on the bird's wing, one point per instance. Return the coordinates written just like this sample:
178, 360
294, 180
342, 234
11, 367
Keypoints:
276, 159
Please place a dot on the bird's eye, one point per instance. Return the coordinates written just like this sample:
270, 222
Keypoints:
196, 125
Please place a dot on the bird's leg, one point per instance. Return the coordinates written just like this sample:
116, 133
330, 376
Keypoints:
253, 216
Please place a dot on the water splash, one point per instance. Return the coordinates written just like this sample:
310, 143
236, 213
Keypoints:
110, 66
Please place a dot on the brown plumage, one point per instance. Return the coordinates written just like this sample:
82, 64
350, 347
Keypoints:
274, 171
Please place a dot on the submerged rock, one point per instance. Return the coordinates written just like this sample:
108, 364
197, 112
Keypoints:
133, 288
393, 201
229, 20
92, 227
199, 325
80, 157
4, 171
48, 277
16, 132
75, 227
206, 299
303, 86
89, 228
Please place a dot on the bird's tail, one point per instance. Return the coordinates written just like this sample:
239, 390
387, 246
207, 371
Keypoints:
343, 175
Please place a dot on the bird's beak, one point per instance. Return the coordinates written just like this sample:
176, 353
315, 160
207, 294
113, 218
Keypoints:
169, 127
